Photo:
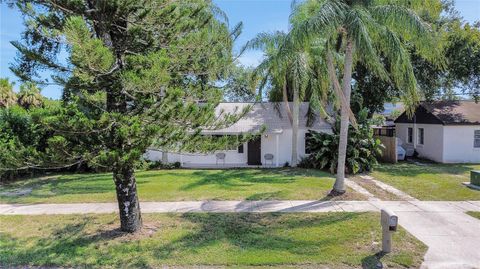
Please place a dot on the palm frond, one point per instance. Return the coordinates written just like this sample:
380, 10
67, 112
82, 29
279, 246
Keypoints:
219, 13
401, 68
359, 24
327, 17
406, 23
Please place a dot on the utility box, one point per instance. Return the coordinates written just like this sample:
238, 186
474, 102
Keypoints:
475, 178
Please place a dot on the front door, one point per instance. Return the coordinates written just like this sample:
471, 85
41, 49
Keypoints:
254, 152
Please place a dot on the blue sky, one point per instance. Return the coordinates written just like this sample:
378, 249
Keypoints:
257, 16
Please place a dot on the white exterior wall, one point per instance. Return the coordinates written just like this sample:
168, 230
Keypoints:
432, 148
233, 158
458, 144
269, 145
284, 146
444, 144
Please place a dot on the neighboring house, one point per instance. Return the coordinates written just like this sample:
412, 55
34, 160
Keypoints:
273, 148
391, 111
443, 131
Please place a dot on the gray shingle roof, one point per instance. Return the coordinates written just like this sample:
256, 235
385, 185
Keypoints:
455, 112
271, 115
445, 113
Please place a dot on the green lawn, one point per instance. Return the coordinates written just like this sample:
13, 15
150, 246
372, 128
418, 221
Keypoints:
430, 182
178, 185
338, 240
474, 214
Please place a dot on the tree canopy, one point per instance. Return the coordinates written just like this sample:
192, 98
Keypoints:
138, 74
456, 74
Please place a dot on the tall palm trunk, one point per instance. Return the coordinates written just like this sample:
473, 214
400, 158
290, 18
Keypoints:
285, 102
296, 112
339, 187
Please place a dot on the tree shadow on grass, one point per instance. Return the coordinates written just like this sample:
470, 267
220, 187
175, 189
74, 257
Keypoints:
278, 195
66, 246
413, 170
252, 232
47, 187
239, 178
74, 244
265, 196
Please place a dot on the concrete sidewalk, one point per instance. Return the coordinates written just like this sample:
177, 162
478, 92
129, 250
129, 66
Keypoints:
452, 236
244, 206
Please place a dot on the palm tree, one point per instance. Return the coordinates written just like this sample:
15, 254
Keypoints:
372, 32
29, 96
7, 96
286, 67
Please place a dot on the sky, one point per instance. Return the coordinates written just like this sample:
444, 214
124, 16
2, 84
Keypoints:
257, 16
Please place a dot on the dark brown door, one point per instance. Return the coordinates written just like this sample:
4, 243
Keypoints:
254, 152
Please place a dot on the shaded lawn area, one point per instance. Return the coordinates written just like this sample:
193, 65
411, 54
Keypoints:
430, 182
179, 185
339, 240
474, 214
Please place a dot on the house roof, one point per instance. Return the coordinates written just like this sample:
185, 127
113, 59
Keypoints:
446, 113
271, 115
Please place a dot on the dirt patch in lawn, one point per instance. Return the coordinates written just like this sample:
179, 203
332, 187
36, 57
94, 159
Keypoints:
350, 195
111, 231
374, 189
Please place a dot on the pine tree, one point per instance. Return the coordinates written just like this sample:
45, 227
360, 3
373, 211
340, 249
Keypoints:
139, 74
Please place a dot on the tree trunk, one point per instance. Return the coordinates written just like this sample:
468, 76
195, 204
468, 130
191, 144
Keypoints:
339, 186
127, 197
285, 102
296, 112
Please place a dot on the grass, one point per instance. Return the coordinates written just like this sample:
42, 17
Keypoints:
179, 185
430, 182
370, 186
474, 214
338, 240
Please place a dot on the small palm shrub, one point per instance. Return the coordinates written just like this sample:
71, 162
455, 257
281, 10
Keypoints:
30, 96
362, 149
7, 96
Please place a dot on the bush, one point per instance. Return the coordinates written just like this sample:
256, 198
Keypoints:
362, 149
157, 165
19, 140
28, 145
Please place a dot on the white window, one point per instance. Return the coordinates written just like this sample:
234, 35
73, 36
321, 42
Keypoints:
410, 135
476, 139
421, 136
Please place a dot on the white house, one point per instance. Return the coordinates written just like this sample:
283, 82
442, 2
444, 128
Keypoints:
273, 148
444, 131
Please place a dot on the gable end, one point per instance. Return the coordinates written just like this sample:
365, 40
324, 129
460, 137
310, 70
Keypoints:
421, 116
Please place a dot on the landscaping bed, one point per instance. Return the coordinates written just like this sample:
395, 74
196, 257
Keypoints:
335, 240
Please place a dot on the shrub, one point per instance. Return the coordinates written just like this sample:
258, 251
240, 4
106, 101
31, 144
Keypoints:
156, 165
362, 150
